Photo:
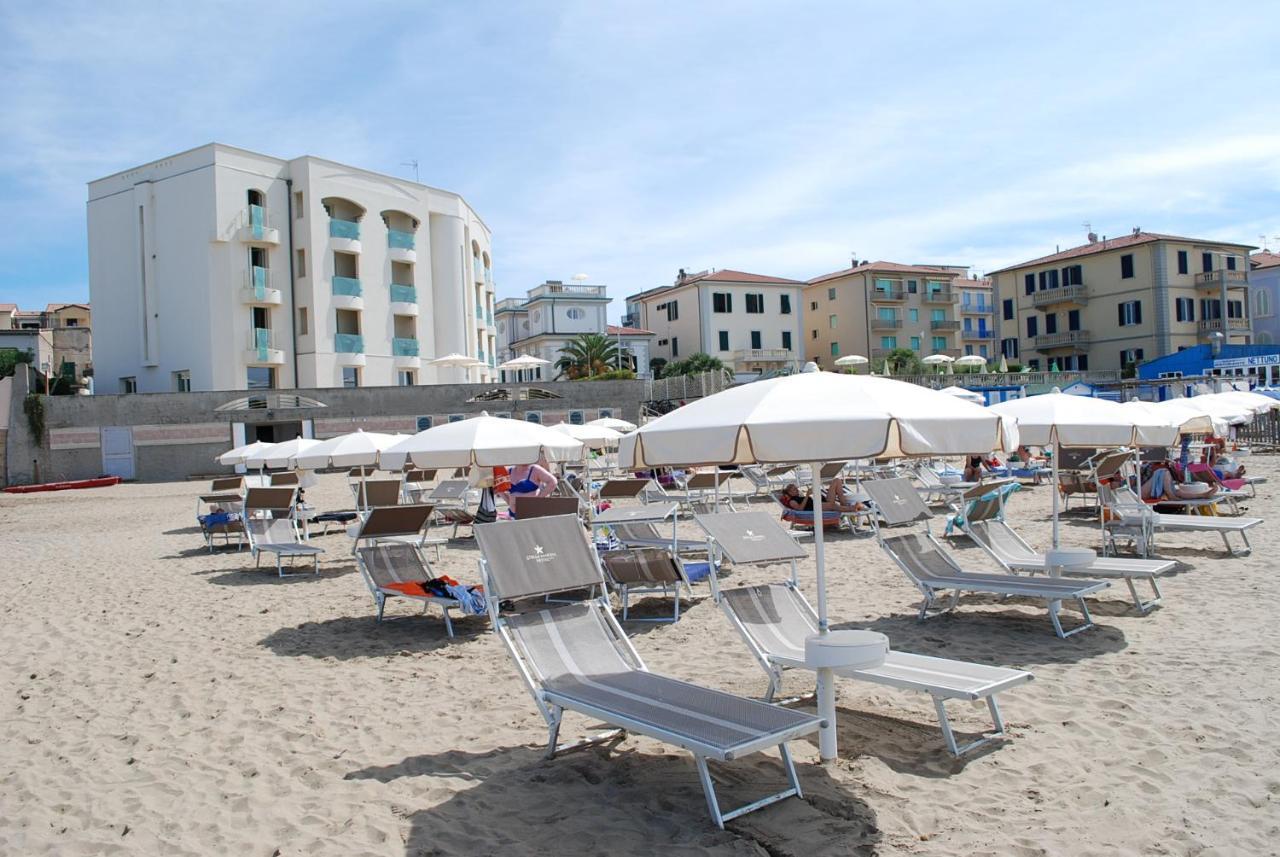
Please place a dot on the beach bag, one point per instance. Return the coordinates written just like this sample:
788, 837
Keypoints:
487, 512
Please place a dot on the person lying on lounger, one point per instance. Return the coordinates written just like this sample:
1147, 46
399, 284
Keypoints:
833, 498
1161, 484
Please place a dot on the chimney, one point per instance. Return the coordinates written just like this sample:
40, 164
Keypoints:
680, 276
1093, 238
1137, 230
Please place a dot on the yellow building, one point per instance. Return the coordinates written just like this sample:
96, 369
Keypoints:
872, 308
1114, 302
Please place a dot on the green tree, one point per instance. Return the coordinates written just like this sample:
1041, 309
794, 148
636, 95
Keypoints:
656, 365
10, 358
904, 361
586, 355
694, 364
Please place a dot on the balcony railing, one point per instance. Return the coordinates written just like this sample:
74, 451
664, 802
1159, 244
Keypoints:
348, 343
949, 352
404, 347
262, 338
1074, 294
972, 333
1215, 279
258, 221
944, 324
479, 313
1208, 325
348, 286
939, 296
560, 289
977, 309
879, 294
488, 317
259, 281
1067, 339
344, 229
480, 355
402, 294
886, 324
401, 240
764, 355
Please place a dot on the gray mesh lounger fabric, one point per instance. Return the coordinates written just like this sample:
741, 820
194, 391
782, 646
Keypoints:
645, 570
750, 537
269, 525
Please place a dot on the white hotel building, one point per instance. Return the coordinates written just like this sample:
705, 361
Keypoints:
222, 269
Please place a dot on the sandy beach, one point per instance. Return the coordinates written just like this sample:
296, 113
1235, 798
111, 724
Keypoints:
159, 699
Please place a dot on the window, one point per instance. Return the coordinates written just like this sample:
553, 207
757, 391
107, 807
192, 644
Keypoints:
1126, 266
1082, 362
968, 349
755, 339
721, 302
835, 349
1044, 280
260, 378
533, 417
297, 205
1235, 309
72, 322
755, 302
939, 343
1261, 304
813, 304
1006, 307
1034, 364
1206, 262
302, 321
831, 295
182, 381
912, 286
1129, 313
673, 311
405, 378
1053, 279
301, 266
831, 322
675, 346
1033, 326
915, 343
786, 339
1009, 347
1231, 263
938, 315
1073, 319
815, 335
1130, 355
1186, 307
1073, 275
982, 351
129, 385
785, 304
1210, 309
888, 343
913, 314
884, 286
575, 314
1182, 261
724, 340
1029, 284
1051, 322
350, 376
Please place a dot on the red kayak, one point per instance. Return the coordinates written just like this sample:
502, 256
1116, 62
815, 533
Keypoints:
100, 482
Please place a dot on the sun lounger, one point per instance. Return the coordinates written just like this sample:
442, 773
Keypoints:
645, 571
1125, 513
376, 493
622, 489
934, 488
388, 554
637, 526
767, 480
576, 657
932, 570
219, 514
416, 485
271, 527
284, 480
543, 507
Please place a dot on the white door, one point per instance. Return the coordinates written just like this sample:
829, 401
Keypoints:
117, 452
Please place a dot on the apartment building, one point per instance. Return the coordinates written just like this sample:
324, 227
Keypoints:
977, 311
751, 322
871, 308
1113, 302
552, 314
1264, 289
223, 269
65, 338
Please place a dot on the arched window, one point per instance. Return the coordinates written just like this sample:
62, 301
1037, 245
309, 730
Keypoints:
1261, 303
1262, 338
256, 197
575, 313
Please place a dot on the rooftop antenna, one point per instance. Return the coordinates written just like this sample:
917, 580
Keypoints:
414, 164
1265, 248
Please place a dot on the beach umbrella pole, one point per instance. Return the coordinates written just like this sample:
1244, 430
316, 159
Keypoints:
826, 678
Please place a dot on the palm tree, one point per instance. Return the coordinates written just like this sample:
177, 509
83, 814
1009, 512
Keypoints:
587, 354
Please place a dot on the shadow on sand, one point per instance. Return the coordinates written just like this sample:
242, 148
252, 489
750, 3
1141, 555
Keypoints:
351, 637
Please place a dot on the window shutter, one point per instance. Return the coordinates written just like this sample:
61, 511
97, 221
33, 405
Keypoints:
1137, 312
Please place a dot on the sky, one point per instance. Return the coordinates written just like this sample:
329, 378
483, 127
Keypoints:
627, 140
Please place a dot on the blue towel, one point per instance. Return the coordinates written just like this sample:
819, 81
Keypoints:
472, 601
696, 571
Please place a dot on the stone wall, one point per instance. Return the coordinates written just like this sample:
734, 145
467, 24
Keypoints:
177, 435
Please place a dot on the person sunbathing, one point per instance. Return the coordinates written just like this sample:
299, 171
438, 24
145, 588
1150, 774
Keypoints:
833, 498
1162, 486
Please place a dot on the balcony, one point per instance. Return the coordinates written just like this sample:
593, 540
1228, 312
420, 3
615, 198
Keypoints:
488, 317
1073, 339
477, 270
258, 227
977, 309
400, 246
560, 290
1077, 294
344, 235
257, 288
404, 299
886, 324
479, 313
944, 324
978, 334
948, 352
764, 355
1226, 325
263, 349
1216, 280
347, 293
939, 296
349, 349
405, 353
879, 295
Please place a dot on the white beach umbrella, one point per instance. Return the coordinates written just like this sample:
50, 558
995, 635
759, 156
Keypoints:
238, 455
1188, 419
966, 395
280, 454
971, 360
455, 360
815, 417
482, 441
614, 423
524, 361
357, 449
596, 437
1060, 420
1004, 365
1229, 412
851, 360
1256, 403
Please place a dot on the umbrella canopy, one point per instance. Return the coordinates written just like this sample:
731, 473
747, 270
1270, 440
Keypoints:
937, 359
525, 361
1004, 364
1189, 420
1222, 410
614, 423
280, 454
461, 361
815, 416
851, 360
238, 455
358, 449
483, 441
966, 395
1255, 402
971, 360
596, 437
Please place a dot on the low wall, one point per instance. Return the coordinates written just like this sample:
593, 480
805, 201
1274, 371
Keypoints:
177, 435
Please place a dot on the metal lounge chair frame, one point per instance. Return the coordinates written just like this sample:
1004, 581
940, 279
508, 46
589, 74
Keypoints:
391, 548
269, 514
1125, 512
646, 571
932, 570
576, 657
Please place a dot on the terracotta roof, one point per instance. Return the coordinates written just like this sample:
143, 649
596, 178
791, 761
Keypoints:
56, 307
614, 330
8, 307
1261, 259
1119, 243
889, 268
728, 276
